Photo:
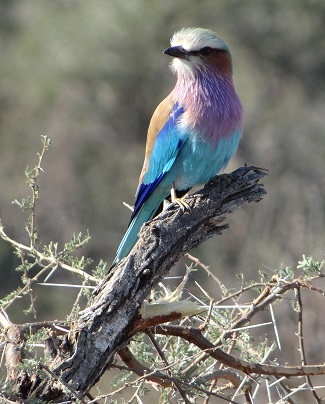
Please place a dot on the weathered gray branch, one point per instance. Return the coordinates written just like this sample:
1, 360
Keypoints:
106, 324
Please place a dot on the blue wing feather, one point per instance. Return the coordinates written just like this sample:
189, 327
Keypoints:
169, 142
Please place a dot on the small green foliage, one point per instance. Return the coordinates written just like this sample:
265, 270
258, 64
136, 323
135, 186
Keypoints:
8, 388
251, 284
34, 401
120, 378
224, 290
25, 267
65, 256
164, 397
310, 267
222, 318
88, 293
101, 270
79, 263
24, 203
121, 400
38, 258
143, 390
143, 350
215, 330
10, 297
34, 338
31, 366
264, 276
31, 177
77, 241
251, 351
50, 249
286, 273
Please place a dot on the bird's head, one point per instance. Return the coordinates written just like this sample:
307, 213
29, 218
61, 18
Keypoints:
198, 48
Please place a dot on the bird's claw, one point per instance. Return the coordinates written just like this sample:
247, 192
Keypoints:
184, 206
180, 201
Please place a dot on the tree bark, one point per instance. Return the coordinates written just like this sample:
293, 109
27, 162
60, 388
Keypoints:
106, 325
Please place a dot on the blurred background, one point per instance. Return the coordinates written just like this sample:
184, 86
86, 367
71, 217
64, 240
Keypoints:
90, 73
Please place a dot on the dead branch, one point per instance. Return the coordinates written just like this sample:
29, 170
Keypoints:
132, 363
272, 292
194, 336
104, 326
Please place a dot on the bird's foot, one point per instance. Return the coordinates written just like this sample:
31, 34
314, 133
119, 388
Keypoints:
184, 206
180, 201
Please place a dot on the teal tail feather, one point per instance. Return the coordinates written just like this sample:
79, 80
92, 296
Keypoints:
146, 212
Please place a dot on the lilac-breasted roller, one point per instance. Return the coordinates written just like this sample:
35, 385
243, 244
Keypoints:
194, 131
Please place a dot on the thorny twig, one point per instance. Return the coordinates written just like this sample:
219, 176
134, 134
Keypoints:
271, 293
195, 336
163, 358
301, 343
51, 261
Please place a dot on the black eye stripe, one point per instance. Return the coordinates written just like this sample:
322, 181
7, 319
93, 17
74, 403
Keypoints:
205, 51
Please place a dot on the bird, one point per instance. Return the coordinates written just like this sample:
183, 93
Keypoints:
194, 131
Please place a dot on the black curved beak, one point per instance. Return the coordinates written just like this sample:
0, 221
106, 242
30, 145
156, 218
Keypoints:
177, 52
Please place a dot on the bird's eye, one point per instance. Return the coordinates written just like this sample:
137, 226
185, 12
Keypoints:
206, 51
